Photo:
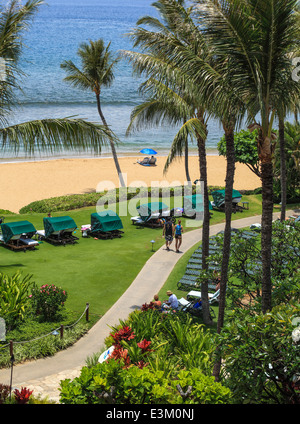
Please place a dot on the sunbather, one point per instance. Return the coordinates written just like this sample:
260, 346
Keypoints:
145, 161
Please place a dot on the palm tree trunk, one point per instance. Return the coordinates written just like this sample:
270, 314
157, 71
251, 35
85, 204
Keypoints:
186, 162
266, 233
282, 168
230, 170
205, 227
112, 144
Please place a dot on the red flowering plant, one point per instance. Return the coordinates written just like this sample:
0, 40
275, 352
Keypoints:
141, 364
23, 396
147, 306
48, 300
129, 352
125, 333
144, 345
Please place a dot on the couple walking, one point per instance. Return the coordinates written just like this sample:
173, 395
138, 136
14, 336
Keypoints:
170, 230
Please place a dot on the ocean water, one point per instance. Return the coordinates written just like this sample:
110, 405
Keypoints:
55, 35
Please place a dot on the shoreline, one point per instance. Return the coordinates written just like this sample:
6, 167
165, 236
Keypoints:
124, 154
28, 181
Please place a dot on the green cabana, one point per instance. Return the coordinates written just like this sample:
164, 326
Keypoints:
146, 210
58, 224
219, 197
105, 221
12, 229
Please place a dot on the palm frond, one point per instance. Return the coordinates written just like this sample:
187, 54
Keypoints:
52, 135
192, 128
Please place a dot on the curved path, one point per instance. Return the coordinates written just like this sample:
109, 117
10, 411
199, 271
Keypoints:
44, 375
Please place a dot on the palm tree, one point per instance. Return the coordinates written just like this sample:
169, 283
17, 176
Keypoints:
257, 38
97, 72
46, 134
172, 97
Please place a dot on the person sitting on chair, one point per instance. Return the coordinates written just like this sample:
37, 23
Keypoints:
145, 161
152, 161
172, 302
157, 302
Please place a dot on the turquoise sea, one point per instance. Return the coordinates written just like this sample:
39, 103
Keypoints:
55, 35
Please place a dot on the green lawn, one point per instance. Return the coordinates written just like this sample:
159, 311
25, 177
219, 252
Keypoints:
96, 271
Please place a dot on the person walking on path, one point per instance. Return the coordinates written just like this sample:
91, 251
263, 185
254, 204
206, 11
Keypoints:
178, 235
168, 232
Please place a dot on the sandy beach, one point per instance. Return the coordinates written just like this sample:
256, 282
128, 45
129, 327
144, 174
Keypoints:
25, 182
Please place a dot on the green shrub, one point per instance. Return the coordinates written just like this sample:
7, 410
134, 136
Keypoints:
14, 297
48, 300
6, 212
261, 356
150, 349
112, 383
76, 201
43, 346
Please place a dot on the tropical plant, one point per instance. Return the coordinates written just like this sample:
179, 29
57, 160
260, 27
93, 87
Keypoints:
96, 72
22, 396
48, 300
173, 367
245, 149
47, 134
14, 297
261, 356
110, 383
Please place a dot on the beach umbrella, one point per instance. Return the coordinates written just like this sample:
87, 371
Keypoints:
148, 152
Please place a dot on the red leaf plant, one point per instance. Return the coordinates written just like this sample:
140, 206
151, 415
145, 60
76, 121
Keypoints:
147, 306
144, 345
22, 396
141, 364
125, 333
120, 354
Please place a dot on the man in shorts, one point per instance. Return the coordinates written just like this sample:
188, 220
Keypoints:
168, 232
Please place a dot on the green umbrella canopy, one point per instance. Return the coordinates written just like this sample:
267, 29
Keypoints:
59, 223
10, 229
219, 196
105, 221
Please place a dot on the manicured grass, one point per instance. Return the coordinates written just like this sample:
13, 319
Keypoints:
96, 271
93, 271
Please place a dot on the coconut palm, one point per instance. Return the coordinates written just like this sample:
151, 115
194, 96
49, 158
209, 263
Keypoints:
257, 38
96, 72
46, 134
171, 97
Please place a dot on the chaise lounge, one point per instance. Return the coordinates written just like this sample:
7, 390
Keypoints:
18, 235
58, 230
104, 225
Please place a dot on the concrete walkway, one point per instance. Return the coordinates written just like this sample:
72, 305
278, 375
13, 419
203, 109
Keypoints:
44, 375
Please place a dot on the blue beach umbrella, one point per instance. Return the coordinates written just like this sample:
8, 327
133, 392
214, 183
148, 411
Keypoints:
148, 152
